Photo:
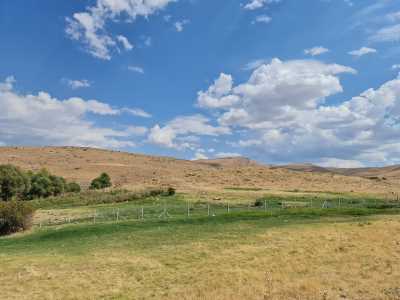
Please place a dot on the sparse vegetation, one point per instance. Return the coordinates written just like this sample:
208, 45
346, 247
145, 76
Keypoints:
94, 197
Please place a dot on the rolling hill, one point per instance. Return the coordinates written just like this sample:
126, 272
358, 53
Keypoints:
133, 171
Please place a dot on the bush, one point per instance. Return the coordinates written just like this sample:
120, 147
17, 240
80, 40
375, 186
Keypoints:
171, 191
259, 203
13, 182
101, 182
73, 187
15, 216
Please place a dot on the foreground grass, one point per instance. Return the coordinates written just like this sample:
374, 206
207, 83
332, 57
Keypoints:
298, 254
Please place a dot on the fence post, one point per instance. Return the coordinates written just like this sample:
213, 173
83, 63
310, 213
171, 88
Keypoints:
208, 209
142, 213
340, 203
117, 214
188, 209
265, 205
94, 217
229, 209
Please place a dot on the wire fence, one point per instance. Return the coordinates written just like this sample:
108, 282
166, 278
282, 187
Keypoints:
167, 211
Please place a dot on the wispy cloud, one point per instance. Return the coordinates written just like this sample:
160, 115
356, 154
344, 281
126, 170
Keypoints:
256, 4
136, 69
315, 51
76, 84
362, 51
262, 19
180, 25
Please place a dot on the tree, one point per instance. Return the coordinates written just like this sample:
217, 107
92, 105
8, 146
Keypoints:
58, 185
101, 182
41, 185
73, 187
13, 182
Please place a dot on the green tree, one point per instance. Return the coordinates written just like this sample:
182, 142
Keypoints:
13, 182
41, 185
58, 185
101, 182
73, 187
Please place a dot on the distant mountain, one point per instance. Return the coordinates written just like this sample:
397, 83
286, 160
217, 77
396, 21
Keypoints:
304, 168
375, 173
232, 162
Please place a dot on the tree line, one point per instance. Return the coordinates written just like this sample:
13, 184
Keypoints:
20, 185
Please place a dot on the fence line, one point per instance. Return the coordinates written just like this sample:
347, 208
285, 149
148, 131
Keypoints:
165, 211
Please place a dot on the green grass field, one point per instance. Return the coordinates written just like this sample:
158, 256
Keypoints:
241, 254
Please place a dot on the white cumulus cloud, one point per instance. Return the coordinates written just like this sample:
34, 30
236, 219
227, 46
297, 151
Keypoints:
89, 27
174, 134
40, 119
282, 108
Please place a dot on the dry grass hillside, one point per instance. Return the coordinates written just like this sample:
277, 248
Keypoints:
136, 171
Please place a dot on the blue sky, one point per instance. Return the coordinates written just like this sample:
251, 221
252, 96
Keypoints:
276, 80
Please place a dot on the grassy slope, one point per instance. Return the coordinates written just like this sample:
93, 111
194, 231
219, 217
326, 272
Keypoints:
228, 257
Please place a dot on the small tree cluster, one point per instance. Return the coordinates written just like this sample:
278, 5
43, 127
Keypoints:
16, 183
101, 182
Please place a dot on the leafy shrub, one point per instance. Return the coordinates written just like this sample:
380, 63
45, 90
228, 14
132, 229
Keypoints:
101, 182
15, 216
73, 187
13, 182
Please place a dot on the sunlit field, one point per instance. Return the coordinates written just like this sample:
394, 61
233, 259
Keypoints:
295, 252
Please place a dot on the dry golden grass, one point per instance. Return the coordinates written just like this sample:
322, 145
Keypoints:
343, 260
135, 171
